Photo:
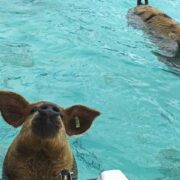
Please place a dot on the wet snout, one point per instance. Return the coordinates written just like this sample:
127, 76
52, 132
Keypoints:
47, 121
48, 111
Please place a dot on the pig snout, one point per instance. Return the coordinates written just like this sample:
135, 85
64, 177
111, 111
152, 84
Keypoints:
50, 111
47, 121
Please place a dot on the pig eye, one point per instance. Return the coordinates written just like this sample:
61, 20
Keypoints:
33, 110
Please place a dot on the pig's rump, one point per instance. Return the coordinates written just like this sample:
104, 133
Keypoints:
167, 46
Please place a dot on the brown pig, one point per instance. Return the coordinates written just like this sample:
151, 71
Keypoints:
159, 22
41, 150
164, 31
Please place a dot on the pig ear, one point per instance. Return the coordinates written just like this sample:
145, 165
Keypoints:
12, 107
78, 119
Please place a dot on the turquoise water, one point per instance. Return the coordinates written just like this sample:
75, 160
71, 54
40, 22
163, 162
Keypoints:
76, 51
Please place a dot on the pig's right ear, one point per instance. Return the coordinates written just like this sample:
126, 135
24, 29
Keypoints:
12, 107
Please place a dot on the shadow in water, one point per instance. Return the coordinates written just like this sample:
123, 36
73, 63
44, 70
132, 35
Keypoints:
170, 164
173, 62
86, 156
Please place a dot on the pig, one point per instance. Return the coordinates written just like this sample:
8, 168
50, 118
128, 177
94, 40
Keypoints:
164, 31
41, 150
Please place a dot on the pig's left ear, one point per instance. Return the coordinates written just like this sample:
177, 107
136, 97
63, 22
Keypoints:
12, 107
78, 119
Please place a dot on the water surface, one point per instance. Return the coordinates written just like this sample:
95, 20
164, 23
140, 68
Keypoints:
77, 51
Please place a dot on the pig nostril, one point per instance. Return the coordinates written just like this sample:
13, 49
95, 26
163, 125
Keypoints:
56, 109
49, 110
44, 107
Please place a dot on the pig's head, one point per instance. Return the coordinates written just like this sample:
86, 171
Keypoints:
44, 119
